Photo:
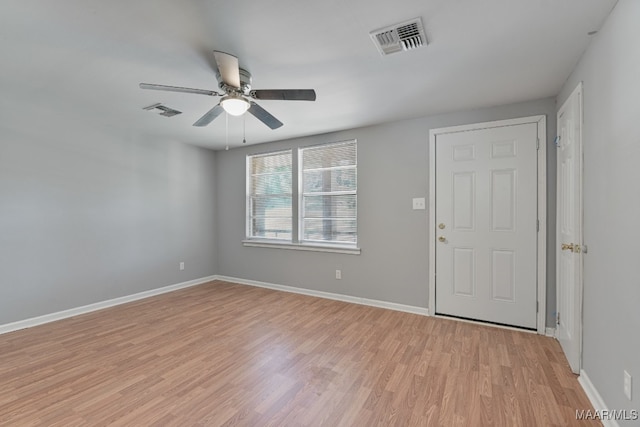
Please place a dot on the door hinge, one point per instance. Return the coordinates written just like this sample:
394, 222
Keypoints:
537, 225
537, 143
558, 318
537, 306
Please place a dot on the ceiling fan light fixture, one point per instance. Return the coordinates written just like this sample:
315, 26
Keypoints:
235, 85
234, 105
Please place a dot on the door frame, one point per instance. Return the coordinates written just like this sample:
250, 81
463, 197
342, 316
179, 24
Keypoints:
541, 122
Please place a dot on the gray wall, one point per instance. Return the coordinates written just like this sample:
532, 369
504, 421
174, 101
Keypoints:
392, 169
610, 69
89, 214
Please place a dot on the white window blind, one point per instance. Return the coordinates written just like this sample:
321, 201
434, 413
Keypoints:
269, 192
328, 185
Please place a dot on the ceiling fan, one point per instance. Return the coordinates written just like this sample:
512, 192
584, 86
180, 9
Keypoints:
237, 97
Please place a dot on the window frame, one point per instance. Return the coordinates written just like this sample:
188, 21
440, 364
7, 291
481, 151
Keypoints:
296, 242
301, 194
248, 198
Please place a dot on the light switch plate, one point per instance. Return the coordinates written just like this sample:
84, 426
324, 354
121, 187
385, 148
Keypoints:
419, 203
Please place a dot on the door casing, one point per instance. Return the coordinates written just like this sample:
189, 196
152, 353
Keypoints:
541, 122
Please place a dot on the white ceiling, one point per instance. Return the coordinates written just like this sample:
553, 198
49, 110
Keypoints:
69, 61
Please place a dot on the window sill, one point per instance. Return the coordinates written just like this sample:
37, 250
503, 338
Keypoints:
350, 250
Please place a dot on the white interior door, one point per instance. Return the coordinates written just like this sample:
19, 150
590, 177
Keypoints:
486, 224
569, 229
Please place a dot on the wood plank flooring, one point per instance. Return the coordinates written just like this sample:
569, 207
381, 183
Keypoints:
223, 354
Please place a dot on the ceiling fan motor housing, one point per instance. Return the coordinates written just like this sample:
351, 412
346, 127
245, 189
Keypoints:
245, 83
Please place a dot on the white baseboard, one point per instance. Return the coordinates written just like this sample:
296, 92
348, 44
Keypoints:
595, 398
550, 332
52, 317
329, 295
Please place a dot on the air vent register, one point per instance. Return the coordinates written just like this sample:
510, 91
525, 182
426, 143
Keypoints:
399, 37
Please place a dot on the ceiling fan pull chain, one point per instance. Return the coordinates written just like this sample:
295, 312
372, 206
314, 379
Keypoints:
244, 129
226, 122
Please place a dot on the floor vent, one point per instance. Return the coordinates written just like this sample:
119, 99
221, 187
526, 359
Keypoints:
399, 37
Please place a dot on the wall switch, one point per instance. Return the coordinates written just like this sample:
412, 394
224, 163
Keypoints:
627, 384
419, 203
339, 274
181, 266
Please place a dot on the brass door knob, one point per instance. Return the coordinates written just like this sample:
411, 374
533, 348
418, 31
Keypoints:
442, 239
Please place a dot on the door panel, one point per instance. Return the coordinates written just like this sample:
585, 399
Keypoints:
503, 275
569, 228
464, 201
503, 200
464, 267
486, 201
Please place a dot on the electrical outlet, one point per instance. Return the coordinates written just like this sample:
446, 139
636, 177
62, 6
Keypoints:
338, 274
627, 384
419, 203
181, 265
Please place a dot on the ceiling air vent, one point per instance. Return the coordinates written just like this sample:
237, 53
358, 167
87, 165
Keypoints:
400, 37
164, 111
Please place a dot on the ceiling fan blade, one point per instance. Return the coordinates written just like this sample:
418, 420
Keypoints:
228, 67
178, 89
209, 116
285, 94
264, 116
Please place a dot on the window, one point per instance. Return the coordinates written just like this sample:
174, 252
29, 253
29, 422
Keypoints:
328, 193
326, 206
269, 210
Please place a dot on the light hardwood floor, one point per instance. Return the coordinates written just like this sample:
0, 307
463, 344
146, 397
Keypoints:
227, 354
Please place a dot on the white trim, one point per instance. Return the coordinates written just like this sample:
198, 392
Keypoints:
488, 125
52, 317
329, 295
595, 398
550, 332
542, 222
301, 247
541, 122
431, 234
